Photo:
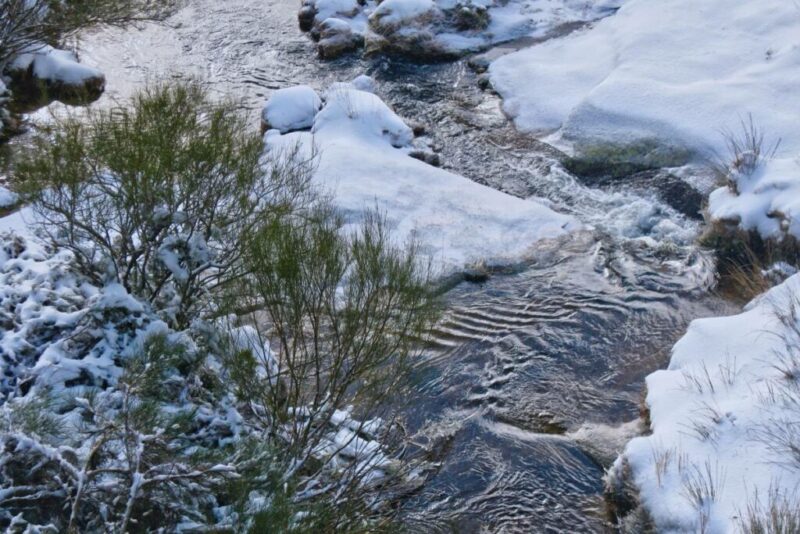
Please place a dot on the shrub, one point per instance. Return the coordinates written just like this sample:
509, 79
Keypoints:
746, 151
158, 197
780, 515
268, 400
133, 462
340, 315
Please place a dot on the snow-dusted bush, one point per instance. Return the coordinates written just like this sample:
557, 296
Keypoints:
201, 344
344, 313
158, 197
137, 456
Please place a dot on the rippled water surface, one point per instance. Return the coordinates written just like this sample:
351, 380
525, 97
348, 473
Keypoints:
527, 371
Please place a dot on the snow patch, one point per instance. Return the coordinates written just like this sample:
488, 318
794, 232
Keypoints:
719, 414
292, 108
51, 64
362, 148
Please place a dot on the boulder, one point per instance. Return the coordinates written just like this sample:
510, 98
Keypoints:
43, 74
336, 38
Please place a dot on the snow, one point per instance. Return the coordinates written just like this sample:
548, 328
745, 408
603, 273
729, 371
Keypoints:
399, 11
664, 68
362, 149
330, 8
718, 408
766, 200
292, 108
55, 65
7, 197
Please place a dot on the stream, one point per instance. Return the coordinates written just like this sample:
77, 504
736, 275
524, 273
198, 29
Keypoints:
530, 374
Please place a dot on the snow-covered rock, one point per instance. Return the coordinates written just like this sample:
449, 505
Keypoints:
336, 37
58, 69
433, 29
7, 198
362, 148
723, 416
292, 108
766, 200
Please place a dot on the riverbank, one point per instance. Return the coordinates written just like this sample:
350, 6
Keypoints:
715, 98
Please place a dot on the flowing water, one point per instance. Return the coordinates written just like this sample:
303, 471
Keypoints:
529, 373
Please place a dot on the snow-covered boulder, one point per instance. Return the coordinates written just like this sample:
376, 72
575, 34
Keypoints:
723, 419
290, 109
363, 163
60, 72
336, 38
436, 29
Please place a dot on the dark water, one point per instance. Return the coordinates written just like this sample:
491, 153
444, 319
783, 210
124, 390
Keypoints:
528, 373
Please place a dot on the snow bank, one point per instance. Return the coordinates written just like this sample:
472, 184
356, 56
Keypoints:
437, 28
662, 69
363, 162
766, 200
291, 109
723, 415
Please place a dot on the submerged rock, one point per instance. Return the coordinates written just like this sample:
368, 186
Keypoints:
602, 159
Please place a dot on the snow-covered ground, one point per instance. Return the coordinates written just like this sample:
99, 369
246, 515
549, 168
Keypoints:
362, 149
435, 28
678, 72
724, 419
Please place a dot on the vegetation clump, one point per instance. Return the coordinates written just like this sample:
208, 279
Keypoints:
228, 354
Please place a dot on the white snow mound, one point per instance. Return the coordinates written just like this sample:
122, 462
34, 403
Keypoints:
362, 149
292, 108
664, 69
55, 65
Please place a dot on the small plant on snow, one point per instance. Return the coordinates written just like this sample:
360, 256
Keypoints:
702, 488
746, 151
779, 515
780, 432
